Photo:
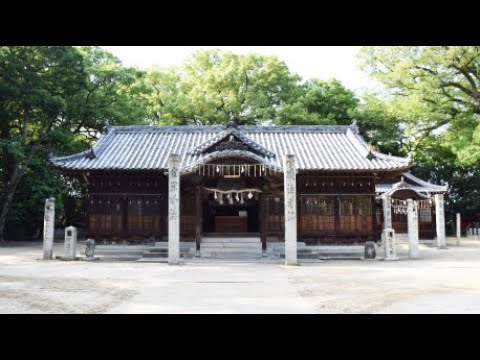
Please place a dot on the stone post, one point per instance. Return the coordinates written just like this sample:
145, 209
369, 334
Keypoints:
387, 211
48, 228
290, 189
440, 219
70, 248
388, 238
174, 209
90, 250
412, 215
459, 229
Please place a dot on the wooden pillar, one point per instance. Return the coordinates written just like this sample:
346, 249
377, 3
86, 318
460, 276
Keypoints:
125, 214
290, 189
198, 217
174, 209
337, 214
299, 217
374, 218
459, 228
263, 219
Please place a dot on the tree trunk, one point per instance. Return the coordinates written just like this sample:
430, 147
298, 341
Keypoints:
8, 198
11, 188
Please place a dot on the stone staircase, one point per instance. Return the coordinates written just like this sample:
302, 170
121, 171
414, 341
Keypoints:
231, 248
159, 253
322, 252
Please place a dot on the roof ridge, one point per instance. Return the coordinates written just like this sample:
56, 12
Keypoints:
243, 128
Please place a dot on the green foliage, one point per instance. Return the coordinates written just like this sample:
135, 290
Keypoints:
56, 99
432, 93
435, 92
212, 87
319, 102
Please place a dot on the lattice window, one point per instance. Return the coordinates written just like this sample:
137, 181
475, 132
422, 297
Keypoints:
275, 214
145, 214
425, 215
105, 214
318, 213
355, 214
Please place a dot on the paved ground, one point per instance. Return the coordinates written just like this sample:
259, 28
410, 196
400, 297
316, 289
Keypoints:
440, 281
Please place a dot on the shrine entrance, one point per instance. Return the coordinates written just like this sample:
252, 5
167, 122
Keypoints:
232, 195
236, 218
232, 190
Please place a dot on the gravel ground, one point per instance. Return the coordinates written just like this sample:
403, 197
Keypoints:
440, 281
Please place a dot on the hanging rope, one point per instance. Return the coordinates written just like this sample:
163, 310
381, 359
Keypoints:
400, 206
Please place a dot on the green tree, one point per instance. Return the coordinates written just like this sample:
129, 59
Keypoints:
58, 98
317, 102
433, 93
212, 86
435, 90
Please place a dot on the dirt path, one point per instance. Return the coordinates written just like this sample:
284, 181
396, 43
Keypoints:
440, 281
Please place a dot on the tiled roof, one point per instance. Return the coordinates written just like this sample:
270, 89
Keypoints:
149, 147
414, 183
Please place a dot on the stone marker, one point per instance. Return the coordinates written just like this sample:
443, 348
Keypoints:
174, 209
388, 239
90, 249
440, 221
370, 252
290, 181
412, 218
48, 228
70, 248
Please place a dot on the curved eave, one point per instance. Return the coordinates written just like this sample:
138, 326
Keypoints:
431, 188
228, 154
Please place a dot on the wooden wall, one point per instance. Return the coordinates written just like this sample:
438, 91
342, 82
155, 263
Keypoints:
331, 209
127, 206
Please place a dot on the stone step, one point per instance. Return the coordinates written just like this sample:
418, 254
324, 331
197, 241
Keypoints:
158, 250
231, 255
230, 246
153, 260
227, 251
155, 255
231, 240
281, 245
327, 256
183, 244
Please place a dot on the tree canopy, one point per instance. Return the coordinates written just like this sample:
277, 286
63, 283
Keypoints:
58, 98
54, 98
211, 87
433, 93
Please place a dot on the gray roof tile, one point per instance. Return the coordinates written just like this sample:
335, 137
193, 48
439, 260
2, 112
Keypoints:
148, 148
414, 183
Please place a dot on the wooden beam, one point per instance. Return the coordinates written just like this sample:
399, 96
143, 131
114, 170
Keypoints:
337, 214
374, 218
199, 217
262, 219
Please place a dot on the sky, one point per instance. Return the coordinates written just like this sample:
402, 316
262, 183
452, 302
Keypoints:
322, 62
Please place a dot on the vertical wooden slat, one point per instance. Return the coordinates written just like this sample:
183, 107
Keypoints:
198, 217
374, 218
263, 220
337, 214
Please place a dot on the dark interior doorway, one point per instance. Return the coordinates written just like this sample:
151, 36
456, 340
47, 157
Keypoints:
230, 218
